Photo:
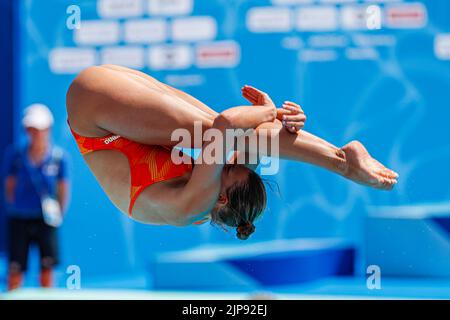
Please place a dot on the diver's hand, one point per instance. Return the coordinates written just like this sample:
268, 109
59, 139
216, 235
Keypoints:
292, 117
257, 97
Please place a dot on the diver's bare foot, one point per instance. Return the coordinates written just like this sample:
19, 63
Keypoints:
364, 169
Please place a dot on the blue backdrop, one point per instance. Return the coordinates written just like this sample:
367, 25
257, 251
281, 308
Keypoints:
6, 92
388, 87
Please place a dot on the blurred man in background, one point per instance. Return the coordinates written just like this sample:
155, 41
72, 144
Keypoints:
36, 193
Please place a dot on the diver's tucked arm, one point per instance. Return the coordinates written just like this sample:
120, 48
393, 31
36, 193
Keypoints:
200, 194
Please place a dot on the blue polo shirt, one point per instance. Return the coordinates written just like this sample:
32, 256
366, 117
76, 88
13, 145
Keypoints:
48, 173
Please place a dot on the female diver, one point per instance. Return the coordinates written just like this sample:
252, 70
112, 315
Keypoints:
123, 119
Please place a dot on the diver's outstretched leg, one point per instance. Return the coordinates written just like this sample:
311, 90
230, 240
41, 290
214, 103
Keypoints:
351, 161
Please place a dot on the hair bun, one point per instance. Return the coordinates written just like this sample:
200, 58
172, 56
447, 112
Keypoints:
244, 230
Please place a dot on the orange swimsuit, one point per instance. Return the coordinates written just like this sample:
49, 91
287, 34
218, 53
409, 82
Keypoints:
149, 164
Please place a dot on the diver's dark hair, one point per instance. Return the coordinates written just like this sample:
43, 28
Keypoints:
246, 202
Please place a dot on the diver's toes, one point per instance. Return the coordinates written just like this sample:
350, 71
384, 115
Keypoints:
387, 173
384, 173
389, 183
389, 187
392, 181
385, 185
374, 180
390, 174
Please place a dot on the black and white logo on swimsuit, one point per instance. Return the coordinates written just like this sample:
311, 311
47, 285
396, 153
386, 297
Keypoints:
111, 139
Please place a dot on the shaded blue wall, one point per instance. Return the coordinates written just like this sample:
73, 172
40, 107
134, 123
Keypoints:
396, 103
